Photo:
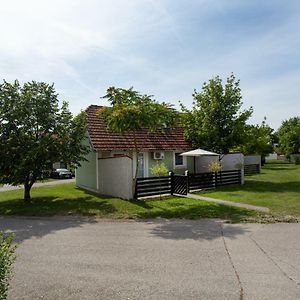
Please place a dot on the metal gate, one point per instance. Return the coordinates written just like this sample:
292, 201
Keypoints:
180, 184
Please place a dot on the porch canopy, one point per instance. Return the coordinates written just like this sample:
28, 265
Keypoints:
199, 152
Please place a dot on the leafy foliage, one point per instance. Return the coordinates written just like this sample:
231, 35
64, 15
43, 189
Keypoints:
35, 132
258, 140
215, 122
159, 169
289, 136
215, 166
7, 258
131, 111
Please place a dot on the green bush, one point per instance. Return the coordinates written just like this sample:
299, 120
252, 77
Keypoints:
159, 169
215, 166
297, 160
7, 258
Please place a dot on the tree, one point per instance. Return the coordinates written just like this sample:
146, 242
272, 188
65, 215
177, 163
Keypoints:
289, 136
35, 133
216, 122
259, 140
130, 111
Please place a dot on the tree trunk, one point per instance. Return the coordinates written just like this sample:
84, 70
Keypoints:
27, 188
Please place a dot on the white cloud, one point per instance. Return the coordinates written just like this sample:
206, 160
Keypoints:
85, 46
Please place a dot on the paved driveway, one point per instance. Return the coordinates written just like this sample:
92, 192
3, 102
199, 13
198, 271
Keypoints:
77, 258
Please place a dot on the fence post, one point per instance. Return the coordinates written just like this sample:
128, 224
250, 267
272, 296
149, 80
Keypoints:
216, 179
172, 181
241, 176
186, 173
135, 185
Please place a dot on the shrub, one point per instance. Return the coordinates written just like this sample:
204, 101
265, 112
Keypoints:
297, 160
215, 166
7, 258
159, 169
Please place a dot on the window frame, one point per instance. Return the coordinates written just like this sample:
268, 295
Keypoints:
183, 165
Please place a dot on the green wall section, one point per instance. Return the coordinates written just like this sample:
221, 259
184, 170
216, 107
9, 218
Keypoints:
168, 161
190, 164
86, 174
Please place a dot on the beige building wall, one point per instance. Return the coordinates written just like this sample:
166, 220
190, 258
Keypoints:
253, 160
202, 163
232, 161
86, 174
115, 177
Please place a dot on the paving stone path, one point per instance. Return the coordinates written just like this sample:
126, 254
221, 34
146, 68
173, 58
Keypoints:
236, 204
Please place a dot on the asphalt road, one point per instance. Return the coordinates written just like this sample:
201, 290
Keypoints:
77, 258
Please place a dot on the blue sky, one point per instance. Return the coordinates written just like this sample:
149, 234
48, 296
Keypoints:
164, 48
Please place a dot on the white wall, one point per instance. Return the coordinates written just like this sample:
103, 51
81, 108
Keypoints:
253, 160
115, 177
202, 163
271, 156
232, 161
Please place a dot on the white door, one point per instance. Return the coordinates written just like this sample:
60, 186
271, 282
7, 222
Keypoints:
141, 165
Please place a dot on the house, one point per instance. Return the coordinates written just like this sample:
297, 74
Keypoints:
111, 163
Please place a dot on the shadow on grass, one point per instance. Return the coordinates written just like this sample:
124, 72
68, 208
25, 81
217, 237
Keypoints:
277, 162
142, 203
196, 230
281, 168
49, 206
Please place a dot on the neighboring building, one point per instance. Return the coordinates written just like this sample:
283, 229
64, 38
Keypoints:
113, 158
252, 164
295, 158
272, 156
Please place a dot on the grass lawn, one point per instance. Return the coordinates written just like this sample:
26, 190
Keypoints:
276, 187
68, 200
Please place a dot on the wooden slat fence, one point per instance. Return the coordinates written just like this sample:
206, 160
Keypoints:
201, 181
183, 184
151, 186
251, 169
228, 178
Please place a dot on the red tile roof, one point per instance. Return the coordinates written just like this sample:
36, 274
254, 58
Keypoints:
104, 139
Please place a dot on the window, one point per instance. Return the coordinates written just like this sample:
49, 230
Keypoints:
179, 161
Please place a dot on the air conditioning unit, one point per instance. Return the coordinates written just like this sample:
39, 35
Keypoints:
158, 155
